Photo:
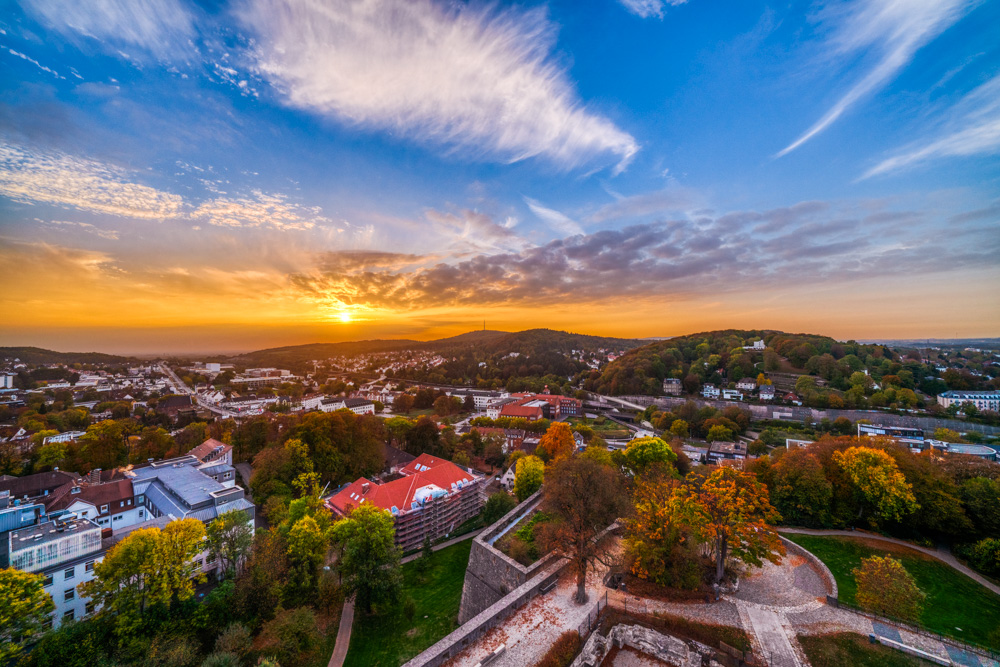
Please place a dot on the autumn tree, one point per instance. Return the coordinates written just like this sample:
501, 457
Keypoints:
799, 488
558, 442
658, 546
586, 497
719, 433
680, 428
423, 437
229, 539
497, 506
731, 512
887, 589
644, 453
878, 485
528, 476
24, 607
369, 558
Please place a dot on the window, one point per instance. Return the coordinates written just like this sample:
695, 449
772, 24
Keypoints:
69, 615
104, 508
69, 594
69, 573
90, 607
142, 513
121, 504
139, 500
89, 567
117, 517
48, 580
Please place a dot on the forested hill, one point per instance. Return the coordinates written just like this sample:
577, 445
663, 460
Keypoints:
719, 357
539, 351
37, 355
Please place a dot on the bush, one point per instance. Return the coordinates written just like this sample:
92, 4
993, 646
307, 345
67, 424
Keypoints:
497, 506
221, 660
984, 556
562, 652
235, 640
290, 637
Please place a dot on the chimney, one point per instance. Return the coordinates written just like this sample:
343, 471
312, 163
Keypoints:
95, 476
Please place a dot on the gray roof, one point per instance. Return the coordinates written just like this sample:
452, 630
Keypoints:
183, 478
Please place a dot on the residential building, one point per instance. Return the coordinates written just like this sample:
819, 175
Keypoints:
395, 459
68, 436
672, 387
709, 391
725, 450
495, 407
766, 392
983, 400
431, 499
732, 395
746, 384
758, 345
529, 412
358, 406
507, 481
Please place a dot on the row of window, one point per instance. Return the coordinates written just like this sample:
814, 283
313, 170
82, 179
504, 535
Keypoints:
70, 573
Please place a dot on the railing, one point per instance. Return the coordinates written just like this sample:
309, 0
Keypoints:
961, 643
593, 617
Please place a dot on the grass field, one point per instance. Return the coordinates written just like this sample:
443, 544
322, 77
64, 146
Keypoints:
955, 605
392, 640
851, 649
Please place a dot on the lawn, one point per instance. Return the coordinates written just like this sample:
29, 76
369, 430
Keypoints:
392, 640
956, 605
850, 649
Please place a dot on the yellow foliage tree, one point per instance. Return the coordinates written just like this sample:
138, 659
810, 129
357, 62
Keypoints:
879, 486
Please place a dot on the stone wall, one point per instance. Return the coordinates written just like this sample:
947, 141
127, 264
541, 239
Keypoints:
491, 574
665, 648
489, 618
818, 565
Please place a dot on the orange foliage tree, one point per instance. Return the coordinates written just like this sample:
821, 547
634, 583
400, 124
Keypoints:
558, 441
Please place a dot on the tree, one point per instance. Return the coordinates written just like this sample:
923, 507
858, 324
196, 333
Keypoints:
657, 545
308, 543
643, 453
680, 428
732, 513
150, 566
424, 437
461, 459
51, 455
878, 485
369, 558
947, 435
260, 587
599, 454
402, 403
497, 507
229, 540
24, 607
719, 433
886, 588
528, 476
800, 490
558, 442
587, 497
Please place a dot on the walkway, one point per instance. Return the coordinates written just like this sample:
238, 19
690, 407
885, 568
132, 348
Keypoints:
343, 635
942, 555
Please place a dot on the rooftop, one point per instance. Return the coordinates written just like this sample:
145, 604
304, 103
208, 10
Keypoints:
48, 532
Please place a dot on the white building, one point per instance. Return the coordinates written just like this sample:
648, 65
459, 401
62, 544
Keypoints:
710, 391
732, 395
983, 400
6, 381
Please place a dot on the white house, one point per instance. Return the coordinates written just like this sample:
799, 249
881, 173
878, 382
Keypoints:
746, 384
507, 481
731, 395
709, 391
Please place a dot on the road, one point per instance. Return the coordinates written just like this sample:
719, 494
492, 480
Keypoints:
179, 387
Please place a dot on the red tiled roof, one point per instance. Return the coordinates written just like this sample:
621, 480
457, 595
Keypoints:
423, 471
513, 410
96, 495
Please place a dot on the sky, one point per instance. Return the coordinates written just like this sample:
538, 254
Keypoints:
236, 174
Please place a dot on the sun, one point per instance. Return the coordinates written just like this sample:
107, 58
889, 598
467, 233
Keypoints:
345, 316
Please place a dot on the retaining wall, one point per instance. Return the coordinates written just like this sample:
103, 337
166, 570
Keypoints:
491, 574
818, 565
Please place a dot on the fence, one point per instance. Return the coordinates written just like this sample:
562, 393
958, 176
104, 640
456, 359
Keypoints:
593, 617
963, 644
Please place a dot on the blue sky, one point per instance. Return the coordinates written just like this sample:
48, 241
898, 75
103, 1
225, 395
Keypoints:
176, 175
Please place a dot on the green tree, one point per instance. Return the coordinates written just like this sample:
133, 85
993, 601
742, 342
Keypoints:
878, 485
886, 588
24, 607
369, 558
680, 428
719, 433
307, 547
497, 506
800, 490
51, 455
528, 476
229, 539
644, 453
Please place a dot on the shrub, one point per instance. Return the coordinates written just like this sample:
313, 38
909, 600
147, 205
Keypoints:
985, 556
886, 588
221, 660
290, 637
235, 640
562, 652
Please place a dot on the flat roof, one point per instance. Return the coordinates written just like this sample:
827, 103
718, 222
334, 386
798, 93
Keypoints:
48, 532
182, 478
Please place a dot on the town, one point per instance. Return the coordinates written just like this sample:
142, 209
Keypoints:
340, 510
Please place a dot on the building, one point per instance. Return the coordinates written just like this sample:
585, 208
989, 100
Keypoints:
495, 407
395, 459
758, 345
725, 450
358, 406
797, 442
911, 437
6, 381
766, 392
983, 400
213, 450
709, 391
480, 397
431, 499
507, 481
982, 451
746, 384
672, 387
732, 395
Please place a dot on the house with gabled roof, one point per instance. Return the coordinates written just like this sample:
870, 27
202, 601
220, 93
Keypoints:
431, 499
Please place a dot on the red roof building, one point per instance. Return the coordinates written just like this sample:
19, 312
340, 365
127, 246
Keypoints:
433, 497
516, 411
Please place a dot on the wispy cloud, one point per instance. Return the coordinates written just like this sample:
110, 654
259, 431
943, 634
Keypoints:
972, 128
559, 221
473, 232
648, 8
63, 180
481, 80
659, 202
162, 27
888, 31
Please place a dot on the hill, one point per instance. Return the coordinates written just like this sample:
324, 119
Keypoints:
37, 355
719, 357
